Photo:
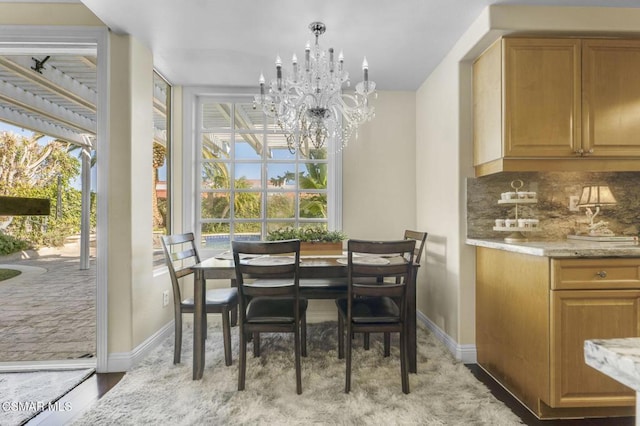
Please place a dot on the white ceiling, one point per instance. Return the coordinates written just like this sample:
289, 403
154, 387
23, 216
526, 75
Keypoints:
229, 42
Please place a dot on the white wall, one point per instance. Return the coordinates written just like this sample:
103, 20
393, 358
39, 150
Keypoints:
379, 187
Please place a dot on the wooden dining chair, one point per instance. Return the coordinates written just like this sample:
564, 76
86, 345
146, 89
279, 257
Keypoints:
420, 239
180, 254
270, 301
376, 306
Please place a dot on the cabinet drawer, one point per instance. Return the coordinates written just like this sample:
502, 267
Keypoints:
595, 273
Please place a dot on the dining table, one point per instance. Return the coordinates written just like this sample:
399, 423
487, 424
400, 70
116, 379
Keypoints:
321, 277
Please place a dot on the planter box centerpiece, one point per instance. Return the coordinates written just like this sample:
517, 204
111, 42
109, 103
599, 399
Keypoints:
313, 241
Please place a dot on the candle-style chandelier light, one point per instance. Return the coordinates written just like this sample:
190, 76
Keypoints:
307, 102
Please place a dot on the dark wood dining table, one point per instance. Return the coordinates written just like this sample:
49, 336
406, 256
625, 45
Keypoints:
321, 277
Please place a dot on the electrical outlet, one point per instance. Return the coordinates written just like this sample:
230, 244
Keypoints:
573, 203
165, 298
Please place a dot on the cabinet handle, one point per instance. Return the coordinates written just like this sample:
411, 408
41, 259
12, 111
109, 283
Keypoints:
579, 152
602, 274
589, 152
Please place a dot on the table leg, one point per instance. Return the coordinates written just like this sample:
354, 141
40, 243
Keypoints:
199, 317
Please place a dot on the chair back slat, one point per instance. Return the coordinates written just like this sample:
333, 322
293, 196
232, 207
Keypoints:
251, 268
399, 255
420, 238
180, 254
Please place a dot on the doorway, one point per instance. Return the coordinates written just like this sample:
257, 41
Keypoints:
54, 312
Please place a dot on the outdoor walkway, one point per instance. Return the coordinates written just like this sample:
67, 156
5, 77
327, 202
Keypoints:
48, 312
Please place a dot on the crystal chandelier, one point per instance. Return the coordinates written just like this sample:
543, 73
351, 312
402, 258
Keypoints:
308, 102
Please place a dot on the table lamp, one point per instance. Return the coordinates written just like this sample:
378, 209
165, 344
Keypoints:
596, 196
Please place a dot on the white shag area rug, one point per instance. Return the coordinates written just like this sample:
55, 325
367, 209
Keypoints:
443, 392
25, 395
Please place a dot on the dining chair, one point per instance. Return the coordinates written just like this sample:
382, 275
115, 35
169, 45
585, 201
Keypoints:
420, 239
180, 254
269, 298
379, 305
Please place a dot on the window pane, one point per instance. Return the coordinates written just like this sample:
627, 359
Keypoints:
274, 226
278, 147
281, 175
216, 145
248, 205
247, 118
313, 205
215, 205
248, 175
313, 176
160, 157
281, 205
249, 146
215, 235
248, 231
313, 154
215, 175
216, 115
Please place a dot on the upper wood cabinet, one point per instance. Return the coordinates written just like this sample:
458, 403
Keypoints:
611, 97
573, 103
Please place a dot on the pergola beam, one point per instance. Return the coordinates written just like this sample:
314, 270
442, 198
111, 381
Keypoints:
28, 122
40, 106
53, 80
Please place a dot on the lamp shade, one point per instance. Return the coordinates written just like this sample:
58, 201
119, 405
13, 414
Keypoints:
596, 196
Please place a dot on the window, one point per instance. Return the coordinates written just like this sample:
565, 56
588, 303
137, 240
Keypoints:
161, 170
248, 181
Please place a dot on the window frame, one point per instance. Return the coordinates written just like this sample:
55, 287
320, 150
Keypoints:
193, 99
158, 253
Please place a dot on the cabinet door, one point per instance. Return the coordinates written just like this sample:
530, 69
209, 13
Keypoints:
578, 315
542, 115
611, 97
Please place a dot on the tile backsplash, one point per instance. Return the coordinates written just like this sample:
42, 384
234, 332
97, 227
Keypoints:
554, 190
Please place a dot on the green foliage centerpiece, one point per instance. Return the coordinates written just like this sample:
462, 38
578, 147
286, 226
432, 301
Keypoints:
313, 240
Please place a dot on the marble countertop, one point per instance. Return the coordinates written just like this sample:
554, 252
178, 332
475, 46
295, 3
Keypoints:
617, 358
566, 248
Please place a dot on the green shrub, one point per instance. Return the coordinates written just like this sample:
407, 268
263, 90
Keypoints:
306, 234
9, 245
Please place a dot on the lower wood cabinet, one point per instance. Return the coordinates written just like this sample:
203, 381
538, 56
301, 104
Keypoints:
533, 314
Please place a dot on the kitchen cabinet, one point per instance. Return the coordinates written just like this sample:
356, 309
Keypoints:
557, 104
611, 97
533, 314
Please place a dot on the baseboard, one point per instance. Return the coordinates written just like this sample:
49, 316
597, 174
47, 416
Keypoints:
465, 353
65, 364
124, 361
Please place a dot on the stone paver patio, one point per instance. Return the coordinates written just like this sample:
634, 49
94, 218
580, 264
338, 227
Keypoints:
49, 311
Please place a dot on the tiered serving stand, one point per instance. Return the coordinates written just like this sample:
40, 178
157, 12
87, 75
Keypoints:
518, 197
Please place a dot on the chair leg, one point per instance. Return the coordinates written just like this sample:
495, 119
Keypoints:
242, 359
204, 327
340, 336
303, 333
177, 344
404, 361
234, 310
226, 336
347, 383
298, 361
387, 344
256, 345
366, 341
